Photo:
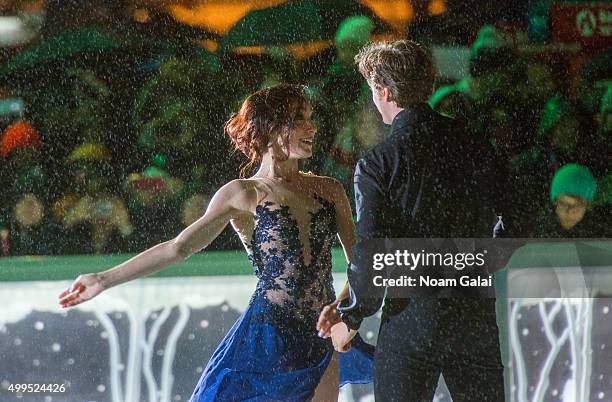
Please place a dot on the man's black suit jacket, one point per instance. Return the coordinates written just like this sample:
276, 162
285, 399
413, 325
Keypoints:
419, 182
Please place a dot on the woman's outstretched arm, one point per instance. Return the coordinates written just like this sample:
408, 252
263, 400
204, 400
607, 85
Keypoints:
231, 201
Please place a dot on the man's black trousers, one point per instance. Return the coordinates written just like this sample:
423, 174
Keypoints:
422, 337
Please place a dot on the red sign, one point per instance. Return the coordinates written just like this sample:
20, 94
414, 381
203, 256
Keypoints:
587, 23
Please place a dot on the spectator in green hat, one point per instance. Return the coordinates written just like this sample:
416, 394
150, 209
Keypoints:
572, 192
348, 119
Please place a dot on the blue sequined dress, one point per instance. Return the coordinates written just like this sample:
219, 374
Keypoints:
273, 352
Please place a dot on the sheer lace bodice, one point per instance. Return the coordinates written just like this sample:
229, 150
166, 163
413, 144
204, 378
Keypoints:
273, 351
293, 260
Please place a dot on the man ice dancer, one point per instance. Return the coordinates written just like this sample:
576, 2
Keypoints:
417, 183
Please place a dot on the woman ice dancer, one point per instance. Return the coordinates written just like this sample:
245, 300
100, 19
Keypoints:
287, 221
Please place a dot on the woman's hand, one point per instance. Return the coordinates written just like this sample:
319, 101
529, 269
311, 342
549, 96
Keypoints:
342, 336
84, 288
327, 319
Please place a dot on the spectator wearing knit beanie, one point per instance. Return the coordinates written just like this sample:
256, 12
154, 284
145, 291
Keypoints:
19, 135
489, 55
23, 214
346, 114
572, 192
565, 135
20, 147
352, 34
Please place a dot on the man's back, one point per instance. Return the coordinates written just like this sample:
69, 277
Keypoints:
424, 176
419, 182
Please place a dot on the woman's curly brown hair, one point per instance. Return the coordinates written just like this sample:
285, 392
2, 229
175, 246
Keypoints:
265, 112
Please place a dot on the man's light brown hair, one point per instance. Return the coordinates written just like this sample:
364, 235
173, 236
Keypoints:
404, 67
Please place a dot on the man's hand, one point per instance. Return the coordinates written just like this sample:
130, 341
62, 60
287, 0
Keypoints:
342, 337
327, 319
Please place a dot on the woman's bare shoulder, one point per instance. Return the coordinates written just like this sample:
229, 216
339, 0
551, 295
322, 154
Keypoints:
242, 194
326, 186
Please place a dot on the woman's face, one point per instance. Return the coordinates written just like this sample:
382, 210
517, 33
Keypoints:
302, 134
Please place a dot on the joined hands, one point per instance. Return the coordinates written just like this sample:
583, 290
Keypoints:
330, 324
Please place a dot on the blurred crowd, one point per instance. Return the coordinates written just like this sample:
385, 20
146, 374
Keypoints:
539, 129
103, 158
